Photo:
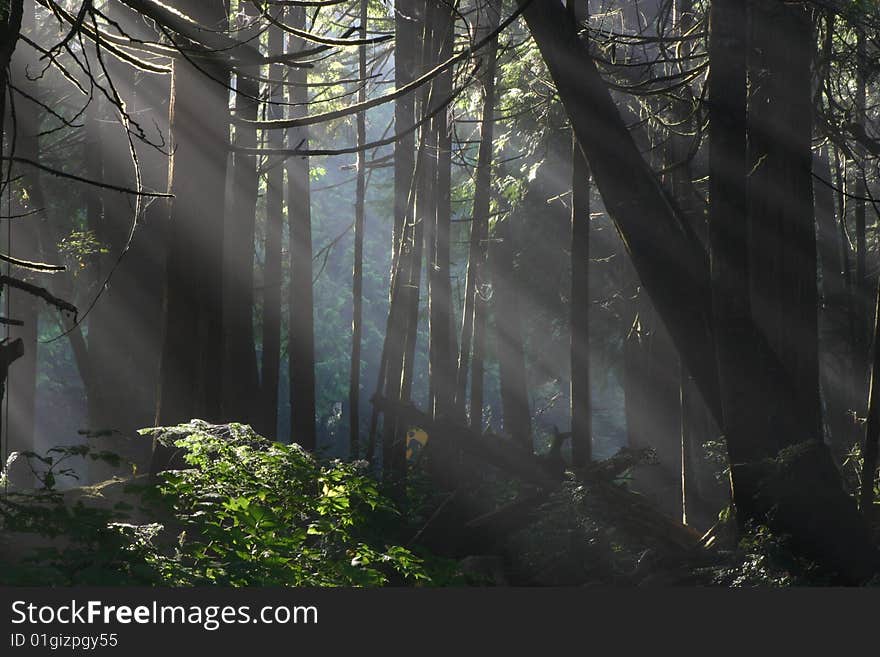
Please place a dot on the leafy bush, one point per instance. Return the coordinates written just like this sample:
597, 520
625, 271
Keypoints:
264, 513
246, 511
763, 559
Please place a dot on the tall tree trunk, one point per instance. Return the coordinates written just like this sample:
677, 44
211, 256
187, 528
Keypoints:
28, 118
403, 314
861, 287
21, 382
388, 383
581, 406
782, 237
272, 272
190, 382
357, 285
240, 377
852, 389
728, 238
872, 430
833, 332
473, 325
10, 29
301, 323
422, 208
442, 339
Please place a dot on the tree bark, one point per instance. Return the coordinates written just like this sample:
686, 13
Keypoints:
473, 326
872, 431
190, 382
357, 285
782, 237
272, 271
580, 393
240, 376
442, 339
21, 383
301, 323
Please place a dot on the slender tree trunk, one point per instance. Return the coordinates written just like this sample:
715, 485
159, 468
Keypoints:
473, 326
862, 285
833, 333
405, 17
240, 377
10, 29
388, 383
581, 405
28, 118
21, 382
872, 430
404, 331
357, 285
272, 272
442, 339
301, 328
852, 389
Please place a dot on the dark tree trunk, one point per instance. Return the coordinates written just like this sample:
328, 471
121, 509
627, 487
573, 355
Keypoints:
301, 324
48, 237
782, 237
861, 286
406, 248
354, 385
21, 383
473, 326
442, 340
404, 166
190, 382
581, 413
872, 430
272, 271
240, 377
836, 349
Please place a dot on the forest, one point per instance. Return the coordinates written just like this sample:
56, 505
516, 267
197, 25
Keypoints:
440, 293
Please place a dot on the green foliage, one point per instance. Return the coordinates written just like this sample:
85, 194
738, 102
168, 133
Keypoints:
79, 248
50, 541
246, 512
55, 463
254, 512
852, 469
764, 559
